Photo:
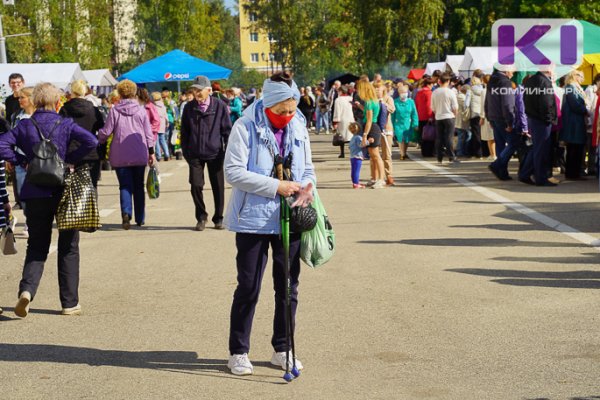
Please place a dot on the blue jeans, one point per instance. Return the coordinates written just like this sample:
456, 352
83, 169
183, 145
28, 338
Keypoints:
506, 145
322, 120
162, 142
462, 144
355, 164
20, 173
131, 183
537, 162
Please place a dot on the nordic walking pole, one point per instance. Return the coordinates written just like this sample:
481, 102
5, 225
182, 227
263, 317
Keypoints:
285, 236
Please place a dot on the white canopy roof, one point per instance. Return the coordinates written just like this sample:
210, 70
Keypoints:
431, 67
99, 77
59, 74
482, 58
454, 61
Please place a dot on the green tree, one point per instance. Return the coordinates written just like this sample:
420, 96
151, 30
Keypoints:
188, 25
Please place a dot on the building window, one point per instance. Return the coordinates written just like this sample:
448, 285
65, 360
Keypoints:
271, 37
253, 36
252, 17
254, 57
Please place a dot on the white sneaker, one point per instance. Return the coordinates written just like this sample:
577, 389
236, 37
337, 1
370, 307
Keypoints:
72, 310
22, 307
278, 359
380, 184
240, 364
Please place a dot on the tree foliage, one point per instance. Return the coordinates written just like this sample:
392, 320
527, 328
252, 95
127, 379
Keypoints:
314, 38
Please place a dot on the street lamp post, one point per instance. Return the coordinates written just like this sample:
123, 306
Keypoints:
445, 35
3, 59
138, 49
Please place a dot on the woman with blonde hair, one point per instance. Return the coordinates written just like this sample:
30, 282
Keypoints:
387, 129
162, 130
371, 131
132, 148
87, 116
42, 201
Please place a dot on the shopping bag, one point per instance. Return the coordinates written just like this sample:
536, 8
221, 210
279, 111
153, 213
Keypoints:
153, 183
7, 242
78, 207
317, 246
429, 132
338, 140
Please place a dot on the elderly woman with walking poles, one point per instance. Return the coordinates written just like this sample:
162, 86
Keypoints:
270, 133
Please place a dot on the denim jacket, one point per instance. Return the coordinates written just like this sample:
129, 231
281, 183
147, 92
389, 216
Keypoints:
254, 205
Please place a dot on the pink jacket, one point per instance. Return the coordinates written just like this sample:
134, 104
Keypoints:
132, 134
154, 118
162, 116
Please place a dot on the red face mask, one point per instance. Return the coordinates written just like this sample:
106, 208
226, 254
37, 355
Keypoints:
278, 121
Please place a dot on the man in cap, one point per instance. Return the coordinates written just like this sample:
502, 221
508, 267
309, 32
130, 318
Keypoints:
205, 128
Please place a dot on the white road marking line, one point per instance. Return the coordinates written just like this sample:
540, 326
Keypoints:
106, 212
528, 212
52, 249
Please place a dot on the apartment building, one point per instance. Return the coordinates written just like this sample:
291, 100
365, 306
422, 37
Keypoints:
255, 46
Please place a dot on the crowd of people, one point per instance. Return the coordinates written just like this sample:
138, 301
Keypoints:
241, 138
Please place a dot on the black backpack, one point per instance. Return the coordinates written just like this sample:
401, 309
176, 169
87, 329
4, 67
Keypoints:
46, 168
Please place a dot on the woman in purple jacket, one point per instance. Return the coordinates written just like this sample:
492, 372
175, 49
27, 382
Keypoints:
132, 148
42, 201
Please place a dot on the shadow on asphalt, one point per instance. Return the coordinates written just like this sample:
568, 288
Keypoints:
472, 242
118, 227
552, 279
588, 258
36, 311
571, 398
171, 361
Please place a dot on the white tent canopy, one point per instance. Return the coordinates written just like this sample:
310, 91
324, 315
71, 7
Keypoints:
482, 58
431, 67
59, 74
454, 61
99, 77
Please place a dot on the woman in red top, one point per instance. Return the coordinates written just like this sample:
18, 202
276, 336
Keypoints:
425, 113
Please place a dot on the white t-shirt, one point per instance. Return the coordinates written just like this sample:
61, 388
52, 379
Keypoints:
444, 103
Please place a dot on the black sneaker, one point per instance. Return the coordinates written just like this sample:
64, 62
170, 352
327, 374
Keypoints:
200, 226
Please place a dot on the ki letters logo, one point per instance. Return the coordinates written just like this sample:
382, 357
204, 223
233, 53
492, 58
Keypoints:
533, 45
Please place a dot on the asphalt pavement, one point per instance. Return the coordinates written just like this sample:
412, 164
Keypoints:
450, 285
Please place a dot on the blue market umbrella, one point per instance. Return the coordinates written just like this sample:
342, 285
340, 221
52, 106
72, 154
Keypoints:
175, 66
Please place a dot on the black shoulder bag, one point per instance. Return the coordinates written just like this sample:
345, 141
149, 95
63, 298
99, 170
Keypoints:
46, 168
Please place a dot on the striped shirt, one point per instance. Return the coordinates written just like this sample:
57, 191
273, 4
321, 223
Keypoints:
3, 194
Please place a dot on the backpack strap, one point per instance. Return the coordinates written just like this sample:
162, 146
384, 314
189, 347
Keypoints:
39, 130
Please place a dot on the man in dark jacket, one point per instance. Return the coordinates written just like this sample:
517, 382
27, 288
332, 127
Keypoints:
205, 128
540, 107
16, 83
500, 111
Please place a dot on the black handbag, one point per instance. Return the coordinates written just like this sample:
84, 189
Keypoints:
338, 140
46, 168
